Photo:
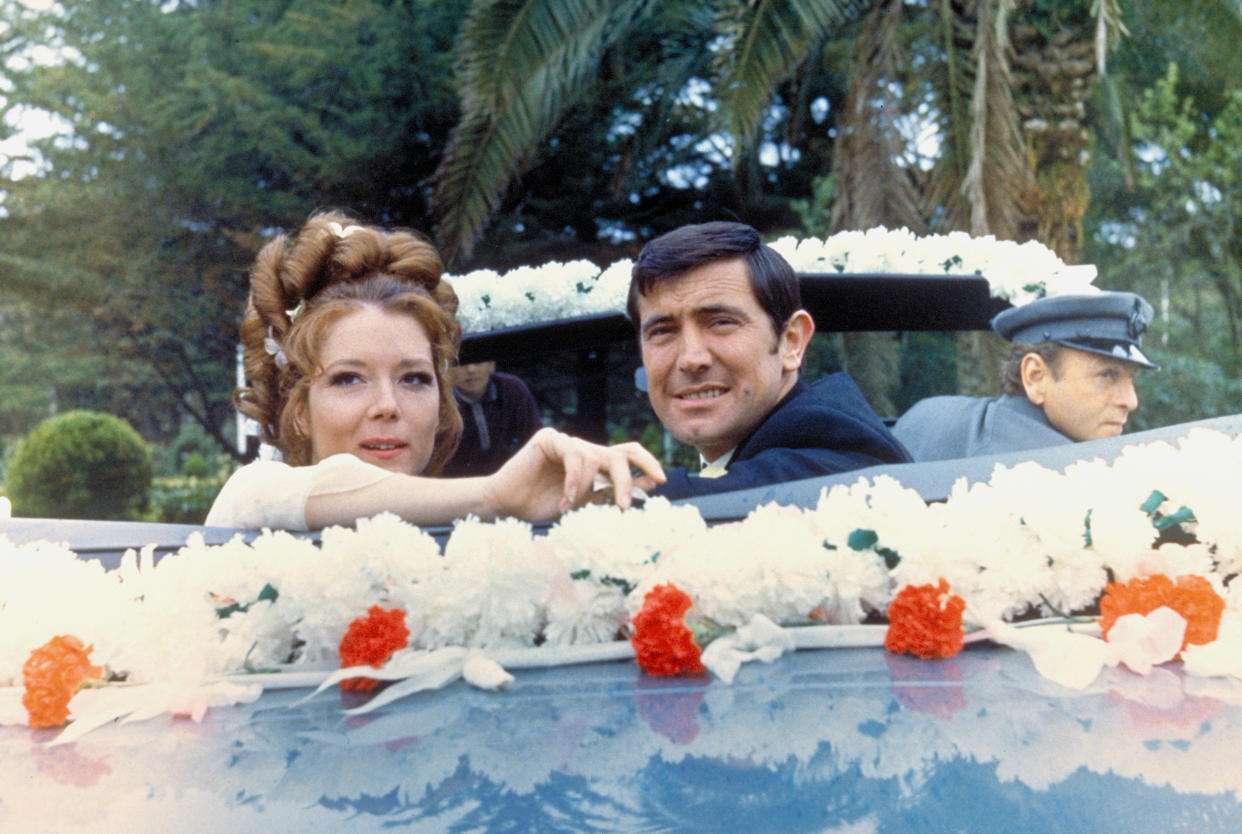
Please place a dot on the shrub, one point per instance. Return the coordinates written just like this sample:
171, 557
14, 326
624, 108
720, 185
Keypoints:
184, 499
81, 464
1185, 388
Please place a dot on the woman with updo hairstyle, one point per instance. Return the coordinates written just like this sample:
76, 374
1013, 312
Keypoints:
347, 338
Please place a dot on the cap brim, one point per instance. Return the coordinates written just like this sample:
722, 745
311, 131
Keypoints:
1125, 351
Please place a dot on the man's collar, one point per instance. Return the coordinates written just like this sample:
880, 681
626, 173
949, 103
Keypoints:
1022, 405
715, 468
800, 385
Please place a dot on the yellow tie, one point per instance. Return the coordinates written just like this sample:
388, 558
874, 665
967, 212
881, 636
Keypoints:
713, 470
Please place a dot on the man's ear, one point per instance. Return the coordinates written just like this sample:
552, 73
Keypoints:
1035, 377
794, 339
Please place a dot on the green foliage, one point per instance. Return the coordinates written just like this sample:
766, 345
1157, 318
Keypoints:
183, 499
1176, 236
1185, 388
928, 368
192, 453
196, 129
191, 471
81, 464
532, 71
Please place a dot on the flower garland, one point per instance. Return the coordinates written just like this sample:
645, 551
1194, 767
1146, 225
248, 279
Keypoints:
1016, 272
214, 624
52, 675
371, 640
926, 621
1192, 597
663, 644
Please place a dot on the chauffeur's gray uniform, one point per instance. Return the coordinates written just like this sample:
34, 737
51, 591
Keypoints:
942, 428
1105, 323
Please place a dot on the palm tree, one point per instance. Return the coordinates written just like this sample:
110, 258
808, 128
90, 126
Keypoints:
522, 63
1014, 87
1048, 79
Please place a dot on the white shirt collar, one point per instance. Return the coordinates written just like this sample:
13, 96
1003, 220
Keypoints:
718, 465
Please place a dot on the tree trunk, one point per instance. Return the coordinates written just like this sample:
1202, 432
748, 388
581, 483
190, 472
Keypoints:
1053, 76
873, 189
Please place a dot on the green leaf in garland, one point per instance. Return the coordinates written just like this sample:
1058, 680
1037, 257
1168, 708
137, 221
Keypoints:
862, 539
625, 585
1153, 502
1163, 523
267, 592
891, 557
1086, 530
1038, 289
585, 573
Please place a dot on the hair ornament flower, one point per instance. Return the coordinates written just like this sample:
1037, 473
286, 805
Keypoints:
274, 350
342, 232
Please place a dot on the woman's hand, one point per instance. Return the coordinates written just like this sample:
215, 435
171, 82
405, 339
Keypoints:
554, 473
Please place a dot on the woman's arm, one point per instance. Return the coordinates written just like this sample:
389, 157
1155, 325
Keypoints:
551, 474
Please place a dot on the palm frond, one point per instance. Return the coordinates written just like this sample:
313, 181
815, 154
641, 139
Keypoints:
999, 178
989, 195
873, 186
521, 63
762, 43
951, 93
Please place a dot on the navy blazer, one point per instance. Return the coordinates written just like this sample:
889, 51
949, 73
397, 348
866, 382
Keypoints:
814, 430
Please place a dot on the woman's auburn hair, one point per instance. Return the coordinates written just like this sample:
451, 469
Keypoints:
300, 287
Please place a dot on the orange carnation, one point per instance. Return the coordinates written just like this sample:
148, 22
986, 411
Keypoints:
925, 621
663, 643
1191, 596
370, 641
52, 674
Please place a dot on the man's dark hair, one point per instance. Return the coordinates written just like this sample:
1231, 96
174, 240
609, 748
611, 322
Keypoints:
771, 277
1011, 370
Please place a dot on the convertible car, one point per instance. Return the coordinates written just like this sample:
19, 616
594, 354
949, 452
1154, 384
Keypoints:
848, 739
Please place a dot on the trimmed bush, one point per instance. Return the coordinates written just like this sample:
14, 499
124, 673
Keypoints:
81, 464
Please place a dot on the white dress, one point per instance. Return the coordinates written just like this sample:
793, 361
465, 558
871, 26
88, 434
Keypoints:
269, 493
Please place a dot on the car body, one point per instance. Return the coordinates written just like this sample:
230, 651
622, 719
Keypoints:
846, 739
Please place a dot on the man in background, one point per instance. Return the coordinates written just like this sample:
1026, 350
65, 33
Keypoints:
498, 414
1069, 378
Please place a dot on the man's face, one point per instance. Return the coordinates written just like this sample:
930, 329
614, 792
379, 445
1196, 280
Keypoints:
471, 380
1089, 396
714, 367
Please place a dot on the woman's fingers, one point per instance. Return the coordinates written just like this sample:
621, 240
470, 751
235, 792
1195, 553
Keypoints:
580, 461
639, 456
622, 480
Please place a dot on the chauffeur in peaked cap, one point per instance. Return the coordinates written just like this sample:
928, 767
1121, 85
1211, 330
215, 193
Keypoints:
1069, 377
1106, 323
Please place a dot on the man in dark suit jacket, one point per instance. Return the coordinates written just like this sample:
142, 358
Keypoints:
498, 413
722, 332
